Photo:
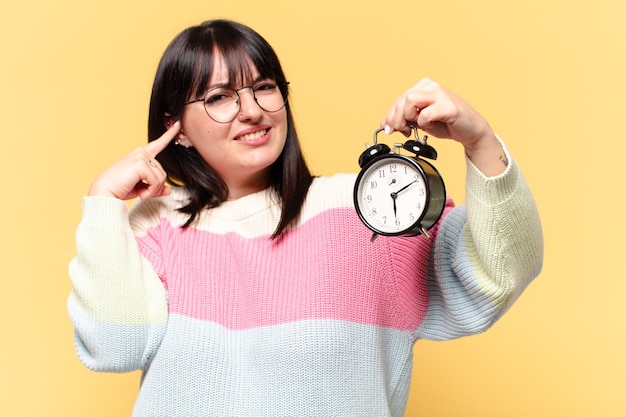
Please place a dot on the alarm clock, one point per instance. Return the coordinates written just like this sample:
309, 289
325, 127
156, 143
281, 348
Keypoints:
396, 194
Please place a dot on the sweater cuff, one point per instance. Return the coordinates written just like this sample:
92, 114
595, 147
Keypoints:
492, 190
104, 212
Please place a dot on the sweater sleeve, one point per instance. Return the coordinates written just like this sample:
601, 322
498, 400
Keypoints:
485, 255
117, 303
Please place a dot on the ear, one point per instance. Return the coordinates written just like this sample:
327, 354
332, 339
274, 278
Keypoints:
169, 120
181, 138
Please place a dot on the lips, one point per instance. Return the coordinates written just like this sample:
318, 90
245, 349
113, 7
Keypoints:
252, 136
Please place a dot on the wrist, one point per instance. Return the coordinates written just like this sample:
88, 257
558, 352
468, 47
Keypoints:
487, 155
95, 190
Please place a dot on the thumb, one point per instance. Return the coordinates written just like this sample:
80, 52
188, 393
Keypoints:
156, 146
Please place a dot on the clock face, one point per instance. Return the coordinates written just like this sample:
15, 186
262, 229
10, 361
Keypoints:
391, 195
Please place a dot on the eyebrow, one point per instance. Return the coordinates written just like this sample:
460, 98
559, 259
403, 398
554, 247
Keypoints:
229, 85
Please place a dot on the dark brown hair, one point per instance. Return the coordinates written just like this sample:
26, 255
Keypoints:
184, 73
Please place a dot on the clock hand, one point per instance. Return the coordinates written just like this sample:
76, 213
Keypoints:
394, 195
405, 187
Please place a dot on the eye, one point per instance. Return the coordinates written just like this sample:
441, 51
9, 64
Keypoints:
265, 87
218, 96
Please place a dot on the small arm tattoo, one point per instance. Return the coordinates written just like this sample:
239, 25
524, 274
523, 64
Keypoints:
502, 159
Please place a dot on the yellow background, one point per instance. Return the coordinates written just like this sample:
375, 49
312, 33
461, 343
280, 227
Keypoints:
548, 75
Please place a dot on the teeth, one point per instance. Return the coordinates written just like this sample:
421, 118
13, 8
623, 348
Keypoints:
253, 136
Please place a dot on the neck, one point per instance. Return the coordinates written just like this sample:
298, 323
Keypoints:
243, 187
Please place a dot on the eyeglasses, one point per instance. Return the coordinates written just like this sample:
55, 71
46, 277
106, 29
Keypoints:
222, 104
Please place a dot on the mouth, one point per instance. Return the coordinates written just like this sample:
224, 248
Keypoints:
252, 136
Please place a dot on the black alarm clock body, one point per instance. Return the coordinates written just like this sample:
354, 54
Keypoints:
396, 194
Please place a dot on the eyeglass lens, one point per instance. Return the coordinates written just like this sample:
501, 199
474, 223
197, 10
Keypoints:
222, 103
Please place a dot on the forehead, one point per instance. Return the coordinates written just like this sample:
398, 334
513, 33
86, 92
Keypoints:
234, 72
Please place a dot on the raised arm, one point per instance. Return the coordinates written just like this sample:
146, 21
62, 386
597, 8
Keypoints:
487, 251
118, 304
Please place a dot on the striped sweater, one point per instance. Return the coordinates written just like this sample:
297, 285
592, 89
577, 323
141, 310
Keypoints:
224, 321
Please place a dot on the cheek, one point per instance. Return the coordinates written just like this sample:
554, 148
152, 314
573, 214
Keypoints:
282, 124
203, 132
200, 128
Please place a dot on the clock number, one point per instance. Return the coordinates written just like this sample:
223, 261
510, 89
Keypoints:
373, 184
397, 221
393, 168
381, 173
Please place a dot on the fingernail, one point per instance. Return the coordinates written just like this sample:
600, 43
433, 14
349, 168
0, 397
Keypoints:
388, 130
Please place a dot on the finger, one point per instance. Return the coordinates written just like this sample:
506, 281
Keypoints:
403, 115
156, 183
405, 112
440, 111
150, 175
417, 102
426, 84
154, 180
145, 191
156, 146
394, 121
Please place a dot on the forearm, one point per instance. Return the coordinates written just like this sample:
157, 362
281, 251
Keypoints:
488, 156
485, 254
117, 303
503, 230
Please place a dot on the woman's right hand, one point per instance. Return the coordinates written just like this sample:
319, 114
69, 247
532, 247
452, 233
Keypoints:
138, 174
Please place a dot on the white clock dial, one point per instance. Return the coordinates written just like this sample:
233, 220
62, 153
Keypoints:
392, 195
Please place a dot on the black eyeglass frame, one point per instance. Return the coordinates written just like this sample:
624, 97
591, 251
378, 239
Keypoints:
251, 87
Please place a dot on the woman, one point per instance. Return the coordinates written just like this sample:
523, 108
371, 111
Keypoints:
249, 288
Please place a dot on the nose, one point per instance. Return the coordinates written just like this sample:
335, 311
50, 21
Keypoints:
249, 109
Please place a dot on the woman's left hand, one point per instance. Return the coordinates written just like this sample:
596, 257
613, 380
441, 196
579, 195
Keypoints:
441, 113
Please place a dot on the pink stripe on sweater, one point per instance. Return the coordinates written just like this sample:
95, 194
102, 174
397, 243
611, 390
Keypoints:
244, 283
